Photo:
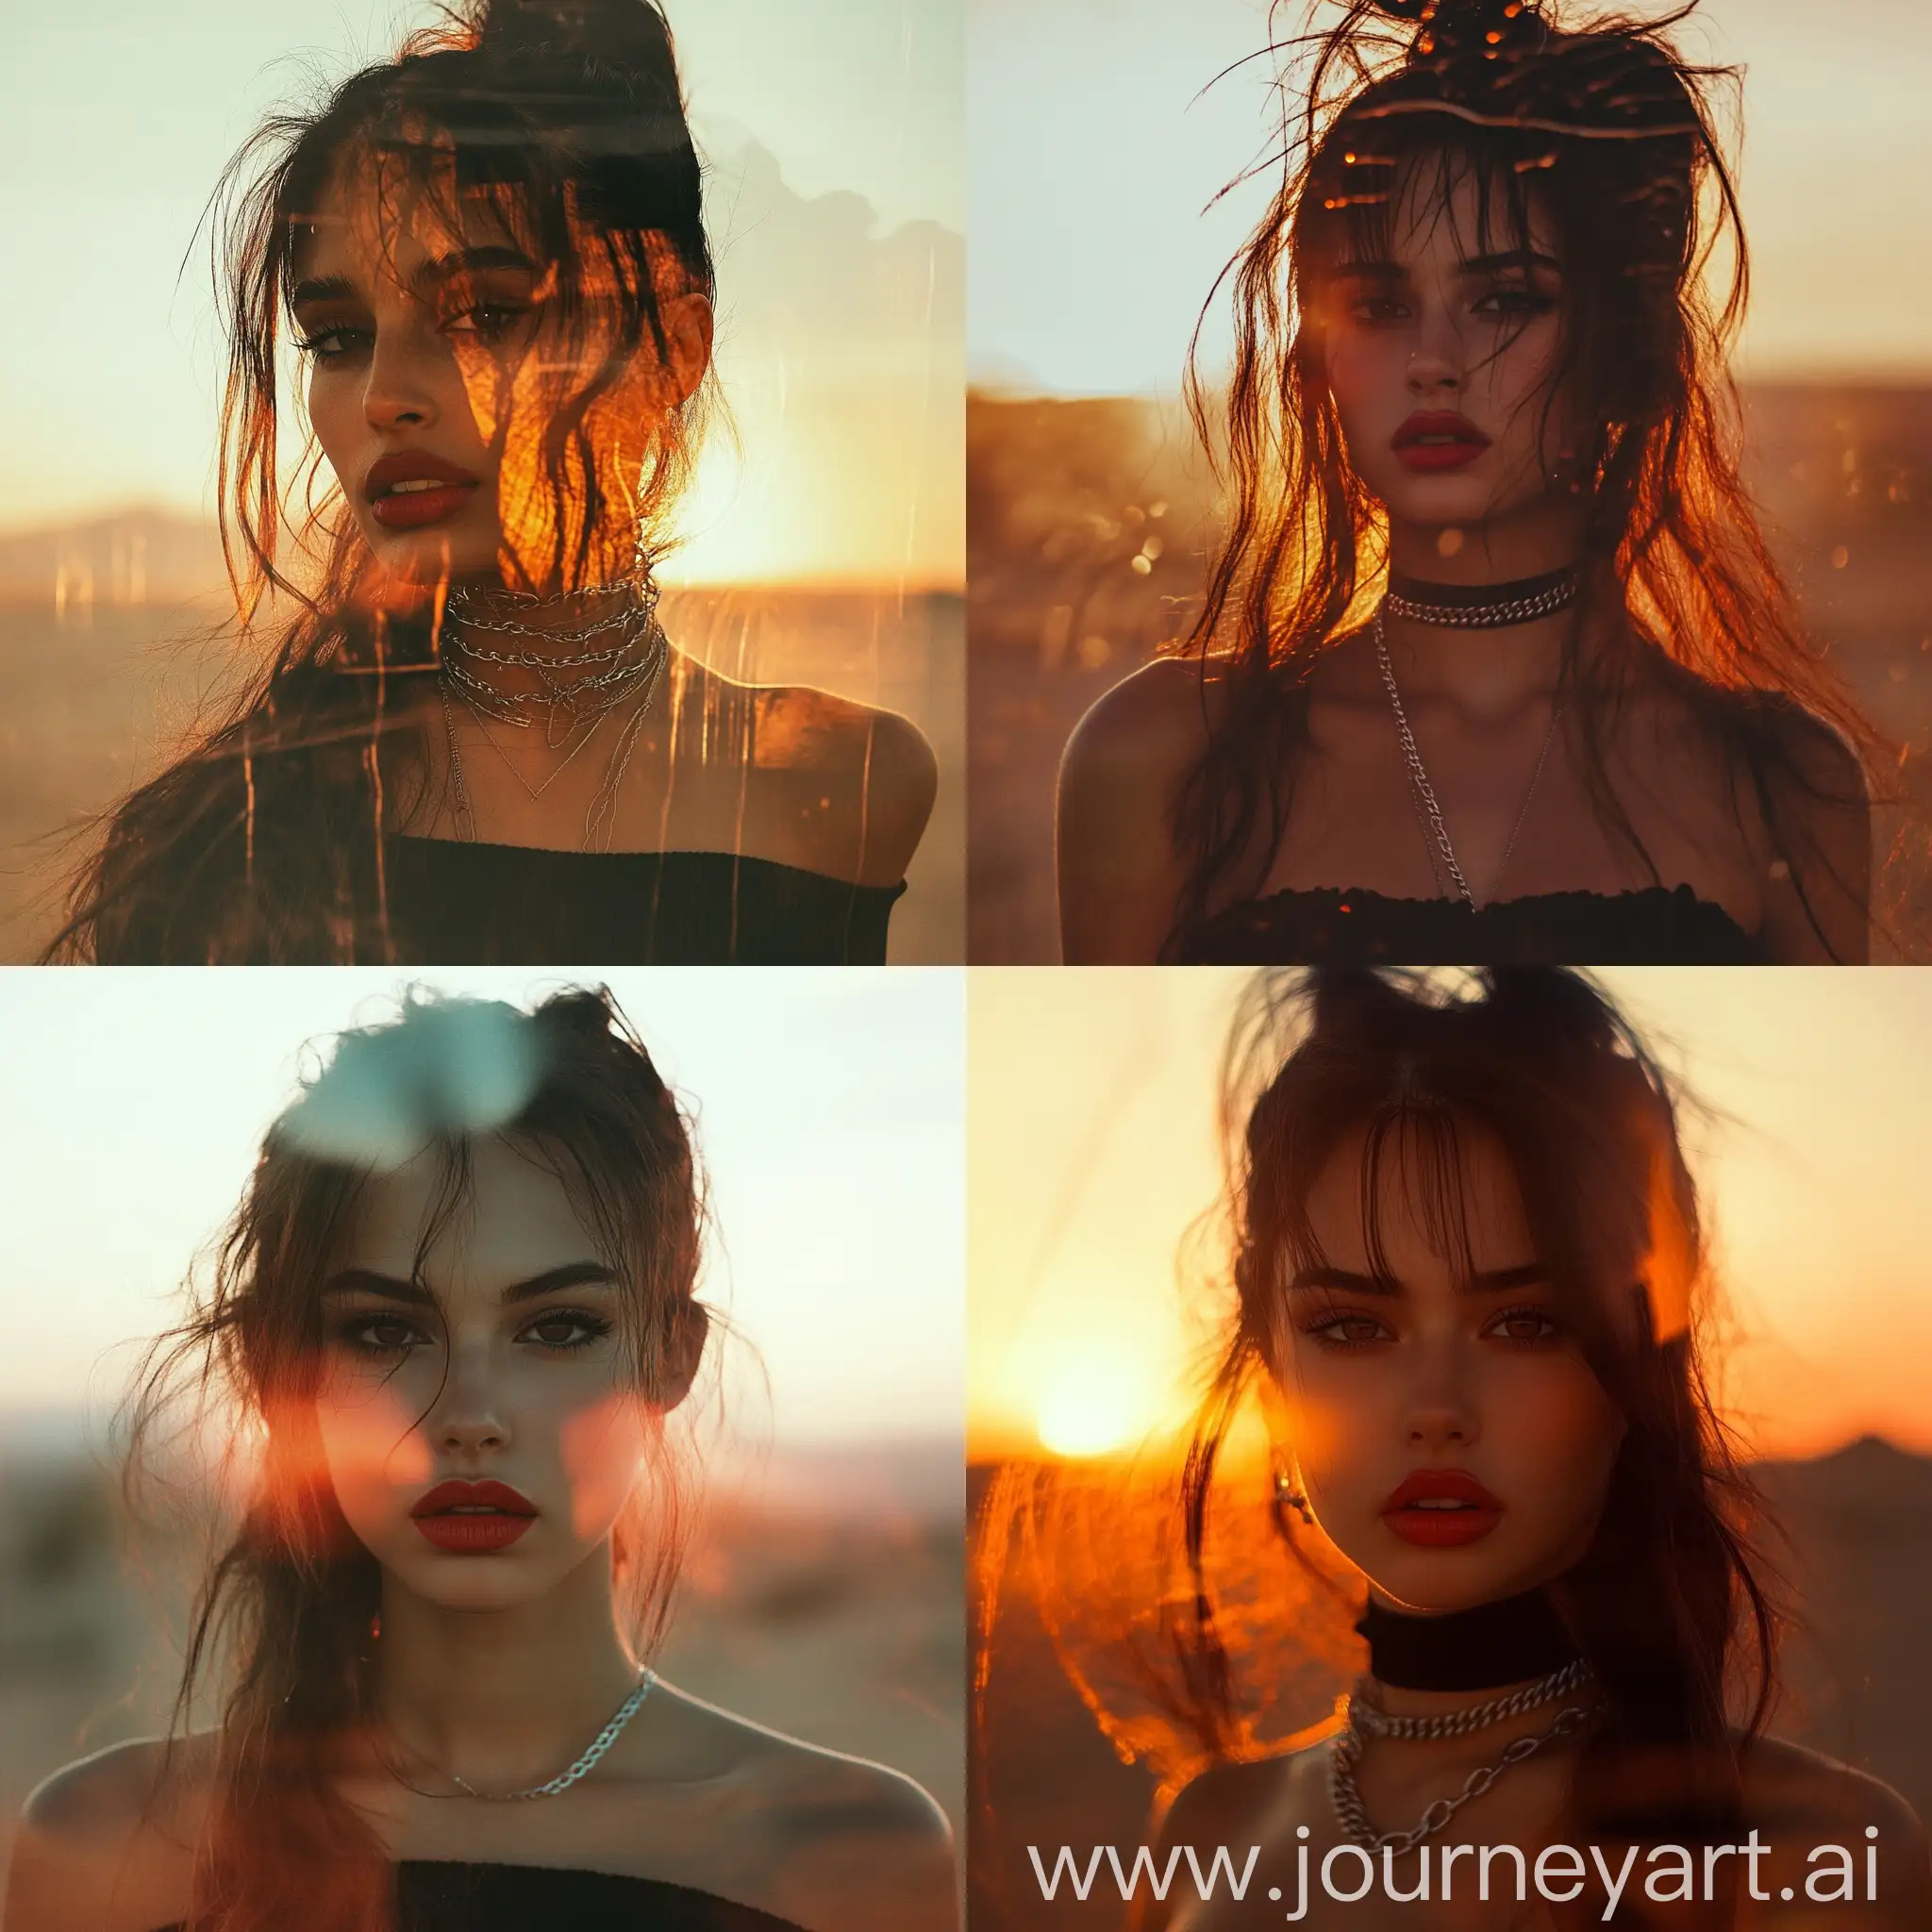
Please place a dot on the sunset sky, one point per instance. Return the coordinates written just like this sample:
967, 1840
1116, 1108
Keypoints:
828, 1107
1092, 1148
835, 202
1094, 152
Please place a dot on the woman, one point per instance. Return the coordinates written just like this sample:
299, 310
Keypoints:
473, 740
1494, 664
456, 1320
1469, 1282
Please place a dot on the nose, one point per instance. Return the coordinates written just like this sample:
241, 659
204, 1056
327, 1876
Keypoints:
1440, 1415
398, 393
469, 1418
1435, 369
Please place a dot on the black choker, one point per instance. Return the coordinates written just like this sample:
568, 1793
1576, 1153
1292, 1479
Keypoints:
1505, 1642
1482, 606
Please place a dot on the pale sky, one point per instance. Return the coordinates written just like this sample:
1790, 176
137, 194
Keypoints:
1092, 1149
1095, 151
840, 339
829, 1107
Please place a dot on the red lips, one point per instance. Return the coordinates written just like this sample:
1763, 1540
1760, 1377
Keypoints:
1440, 1509
474, 1518
1437, 439
408, 510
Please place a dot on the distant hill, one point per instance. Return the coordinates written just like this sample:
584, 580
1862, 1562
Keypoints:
122, 558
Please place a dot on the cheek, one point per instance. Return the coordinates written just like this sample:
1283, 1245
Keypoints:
369, 1440
602, 1444
1364, 372
1331, 1414
1558, 1435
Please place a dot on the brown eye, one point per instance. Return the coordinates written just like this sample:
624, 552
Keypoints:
1525, 1324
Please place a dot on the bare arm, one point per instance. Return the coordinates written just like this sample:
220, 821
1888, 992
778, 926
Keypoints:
1120, 876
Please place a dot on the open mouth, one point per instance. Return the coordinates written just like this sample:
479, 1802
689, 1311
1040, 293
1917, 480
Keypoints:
409, 488
1439, 1508
1438, 440
474, 1518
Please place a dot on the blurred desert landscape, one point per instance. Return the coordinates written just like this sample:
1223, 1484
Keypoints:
111, 643
825, 1598
1088, 527
1858, 1561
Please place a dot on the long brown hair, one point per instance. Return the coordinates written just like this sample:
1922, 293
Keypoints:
1613, 134
286, 1613
1668, 1605
262, 843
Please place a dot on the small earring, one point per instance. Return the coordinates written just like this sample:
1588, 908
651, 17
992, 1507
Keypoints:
1288, 1497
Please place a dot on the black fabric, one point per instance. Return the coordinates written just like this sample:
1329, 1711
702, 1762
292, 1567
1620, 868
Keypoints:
458, 905
445, 1897
1654, 928
1481, 1649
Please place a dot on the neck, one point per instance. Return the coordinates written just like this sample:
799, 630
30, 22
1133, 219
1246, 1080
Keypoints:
509, 1697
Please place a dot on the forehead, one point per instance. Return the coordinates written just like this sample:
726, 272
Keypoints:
379, 213
1441, 1188
1444, 206
515, 1219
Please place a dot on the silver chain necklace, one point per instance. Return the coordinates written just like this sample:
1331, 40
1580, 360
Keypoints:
564, 1779
1362, 1718
1423, 794
603, 807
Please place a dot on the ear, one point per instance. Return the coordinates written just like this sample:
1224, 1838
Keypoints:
684, 1349
688, 325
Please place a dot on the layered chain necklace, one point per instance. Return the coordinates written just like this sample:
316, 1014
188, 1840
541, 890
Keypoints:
582, 674
564, 1779
1363, 1719
1479, 607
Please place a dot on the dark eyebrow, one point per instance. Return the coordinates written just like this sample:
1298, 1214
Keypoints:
393, 1289
323, 289
1509, 258
441, 267
1485, 1281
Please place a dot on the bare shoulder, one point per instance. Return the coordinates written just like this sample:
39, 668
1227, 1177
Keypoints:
835, 1842
108, 1842
1815, 818
1227, 1805
1837, 1838
1226, 1797
1153, 723
1120, 875
854, 783
1790, 1786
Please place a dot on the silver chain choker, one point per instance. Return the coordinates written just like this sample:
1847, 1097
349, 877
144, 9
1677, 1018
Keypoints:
1482, 606
1363, 1719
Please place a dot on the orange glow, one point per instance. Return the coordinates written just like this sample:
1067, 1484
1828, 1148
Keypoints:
1091, 1150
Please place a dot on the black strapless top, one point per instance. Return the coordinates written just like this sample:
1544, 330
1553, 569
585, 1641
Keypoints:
446, 1897
458, 905
1658, 926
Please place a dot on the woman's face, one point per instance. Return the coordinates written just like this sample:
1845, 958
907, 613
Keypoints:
500, 1364
1452, 1440
1441, 359
435, 360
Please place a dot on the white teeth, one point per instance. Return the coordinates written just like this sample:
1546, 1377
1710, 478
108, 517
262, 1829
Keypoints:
414, 483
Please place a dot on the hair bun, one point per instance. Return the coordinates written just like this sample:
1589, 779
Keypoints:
622, 40
1452, 26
